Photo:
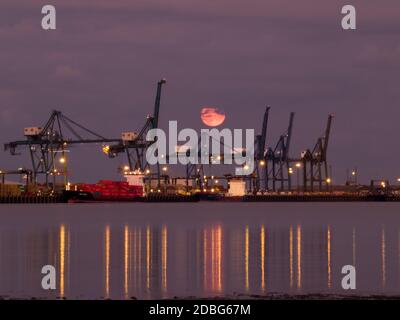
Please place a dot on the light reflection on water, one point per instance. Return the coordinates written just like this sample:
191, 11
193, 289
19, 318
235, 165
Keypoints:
104, 251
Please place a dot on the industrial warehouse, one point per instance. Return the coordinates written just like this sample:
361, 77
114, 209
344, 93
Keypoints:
275, 175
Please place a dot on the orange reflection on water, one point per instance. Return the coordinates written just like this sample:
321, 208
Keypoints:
139, 255
136, 235
262, 240
148, 256
328, 236
107, 261
299, 257
246, 258
205, 258
164, 247
354, 247
213, 261
126, 261
62, 260
218, 258
291, 256
383, 257
212, 258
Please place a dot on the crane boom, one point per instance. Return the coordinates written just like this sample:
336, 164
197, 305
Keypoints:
289, 135
327, 134
264, 128
157, 103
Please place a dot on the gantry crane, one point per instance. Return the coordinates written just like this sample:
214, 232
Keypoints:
279, 161
315, 163
50, 143
195, 171
25, 174
260, 170
134, 145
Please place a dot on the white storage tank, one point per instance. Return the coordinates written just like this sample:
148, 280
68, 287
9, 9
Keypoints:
32, 131
237, 188
129, 136
135, 180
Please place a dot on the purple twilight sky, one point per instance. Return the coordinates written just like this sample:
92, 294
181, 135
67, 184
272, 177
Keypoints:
101, 65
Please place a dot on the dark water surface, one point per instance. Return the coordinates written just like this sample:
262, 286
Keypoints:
163, 250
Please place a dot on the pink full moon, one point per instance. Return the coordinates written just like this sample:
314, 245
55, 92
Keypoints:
212, 116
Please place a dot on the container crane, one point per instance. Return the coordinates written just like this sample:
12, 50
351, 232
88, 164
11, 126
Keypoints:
315, 163
134, 145
261, 170
279, 161
49, 143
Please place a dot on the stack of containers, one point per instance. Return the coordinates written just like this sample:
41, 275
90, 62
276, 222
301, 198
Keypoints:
9, 190
107, 190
